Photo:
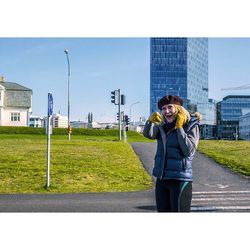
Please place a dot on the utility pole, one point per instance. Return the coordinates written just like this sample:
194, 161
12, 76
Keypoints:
69, 127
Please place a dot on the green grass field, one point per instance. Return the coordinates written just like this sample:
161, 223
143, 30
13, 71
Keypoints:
233, 154
85, 164
92, 163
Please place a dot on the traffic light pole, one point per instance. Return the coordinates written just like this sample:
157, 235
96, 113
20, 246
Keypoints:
119, 111
119, 100
124, 130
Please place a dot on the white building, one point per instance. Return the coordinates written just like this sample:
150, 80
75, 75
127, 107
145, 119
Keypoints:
137, 126
59, 121
15, 104
78, 124
244, 126
35, 121
56, 121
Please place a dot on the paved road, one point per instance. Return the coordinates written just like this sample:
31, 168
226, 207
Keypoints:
216, 189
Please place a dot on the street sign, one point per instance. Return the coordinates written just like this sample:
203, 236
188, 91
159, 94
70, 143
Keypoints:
50, 104
50, 112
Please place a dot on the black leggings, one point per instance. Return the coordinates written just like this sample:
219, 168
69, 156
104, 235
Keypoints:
173, 195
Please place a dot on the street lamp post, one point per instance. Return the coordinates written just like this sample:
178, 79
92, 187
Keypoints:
130, 112
67, 55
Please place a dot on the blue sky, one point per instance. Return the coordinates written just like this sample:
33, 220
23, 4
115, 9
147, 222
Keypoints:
229, 65
100, 65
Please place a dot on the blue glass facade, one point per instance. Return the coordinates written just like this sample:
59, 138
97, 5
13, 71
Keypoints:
179, 66
229, 111
244, 127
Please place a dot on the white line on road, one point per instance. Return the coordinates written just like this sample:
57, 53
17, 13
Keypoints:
222, 192
220, 208
222, 199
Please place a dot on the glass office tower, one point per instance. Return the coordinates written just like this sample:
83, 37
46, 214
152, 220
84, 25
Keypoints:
179, 66
229, 111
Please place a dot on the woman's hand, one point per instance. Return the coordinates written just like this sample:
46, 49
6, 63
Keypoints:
182, 116
155, 118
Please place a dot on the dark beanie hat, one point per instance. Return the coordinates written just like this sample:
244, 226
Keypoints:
170, 99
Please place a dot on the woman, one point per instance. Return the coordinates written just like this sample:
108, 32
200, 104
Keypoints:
177, 135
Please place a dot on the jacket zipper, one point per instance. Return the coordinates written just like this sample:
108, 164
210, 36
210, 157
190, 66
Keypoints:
165, 153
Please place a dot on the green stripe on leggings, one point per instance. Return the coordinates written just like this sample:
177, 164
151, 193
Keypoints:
184, 185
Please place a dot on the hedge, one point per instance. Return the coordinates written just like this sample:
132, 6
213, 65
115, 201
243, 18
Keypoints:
62, 131
21, 130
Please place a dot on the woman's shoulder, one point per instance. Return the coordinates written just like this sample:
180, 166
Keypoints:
194, 120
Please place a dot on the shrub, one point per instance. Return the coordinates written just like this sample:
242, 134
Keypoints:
62, 131
21, 130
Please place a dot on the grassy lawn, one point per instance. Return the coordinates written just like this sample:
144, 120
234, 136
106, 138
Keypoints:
233, 154
131, 137
85, 164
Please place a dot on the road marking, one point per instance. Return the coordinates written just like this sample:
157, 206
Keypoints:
220, 208
222, 192
212, 198
222, 199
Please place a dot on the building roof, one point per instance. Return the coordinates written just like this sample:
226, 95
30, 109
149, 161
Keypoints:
14, 86
236, 96
16, 95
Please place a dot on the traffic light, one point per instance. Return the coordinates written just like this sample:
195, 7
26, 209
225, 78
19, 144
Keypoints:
114, 97
126, 119
117, 116
123, 100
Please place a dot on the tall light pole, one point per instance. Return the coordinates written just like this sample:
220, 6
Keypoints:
130, 111
69, 129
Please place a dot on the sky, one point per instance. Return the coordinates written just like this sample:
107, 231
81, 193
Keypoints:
101, 65
41, 65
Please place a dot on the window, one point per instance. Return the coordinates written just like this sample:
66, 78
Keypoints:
15, 117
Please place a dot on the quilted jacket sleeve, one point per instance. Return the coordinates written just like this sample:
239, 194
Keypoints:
188, 141
151, 131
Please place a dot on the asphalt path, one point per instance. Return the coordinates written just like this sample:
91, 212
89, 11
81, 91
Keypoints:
208, 175
216, 189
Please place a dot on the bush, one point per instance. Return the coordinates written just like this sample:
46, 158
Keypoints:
21, 130
62, 131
